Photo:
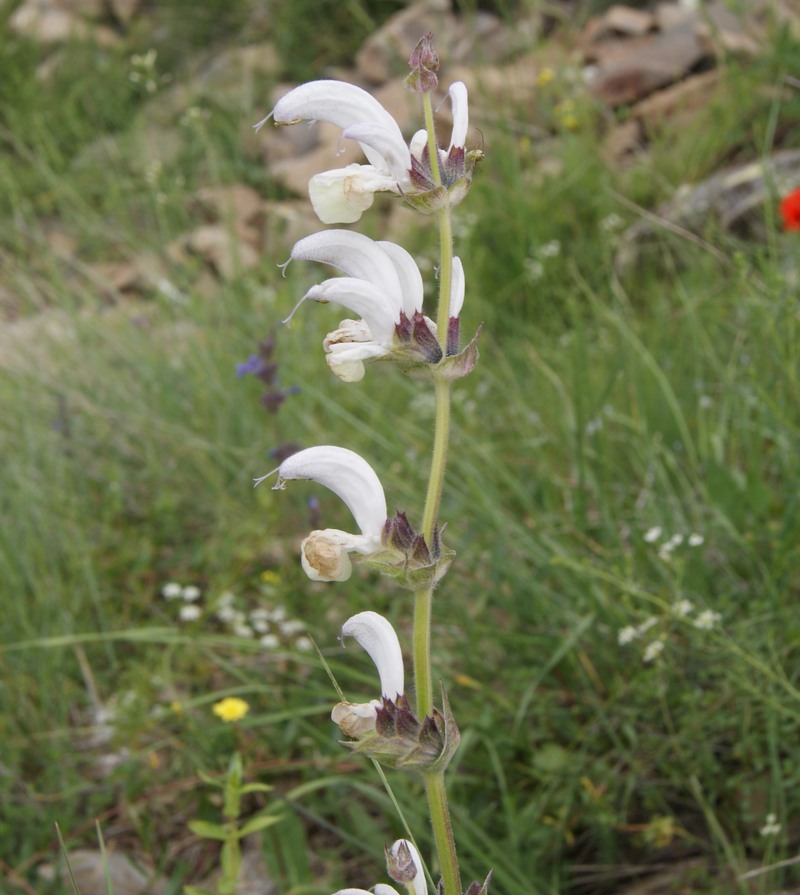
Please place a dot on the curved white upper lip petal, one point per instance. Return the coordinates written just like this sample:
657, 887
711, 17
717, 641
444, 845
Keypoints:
411, 286
459, 100
348, 475
355, 255
383, 140
457, 287
378, 638
340, 104
379, 310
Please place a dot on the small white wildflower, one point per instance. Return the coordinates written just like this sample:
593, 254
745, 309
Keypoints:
534, 269
227, 598
646, 625
278, 614
242, 630
259, 625
653, 534
653, 650
771, 826
270, 641
610, 223
695, 539
171, 590
190, 593
682, 608
291, 627
189, 613
304, 644
706, 401
665, 551
626, 635
675, 541
594, 426
707, 620
550, 249
259, 613
226, 614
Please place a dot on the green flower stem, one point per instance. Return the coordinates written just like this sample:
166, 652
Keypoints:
441, 441
434, 782
443, 833
433, 151
445, 275
422, 651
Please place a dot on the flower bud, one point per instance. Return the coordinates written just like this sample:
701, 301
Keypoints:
424, 63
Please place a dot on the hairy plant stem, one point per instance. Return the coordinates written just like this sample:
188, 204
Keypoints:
433, 151
443, 833
434, 782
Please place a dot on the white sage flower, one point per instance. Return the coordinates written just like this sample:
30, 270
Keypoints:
340, 196
383, 285
325, 554
378, 638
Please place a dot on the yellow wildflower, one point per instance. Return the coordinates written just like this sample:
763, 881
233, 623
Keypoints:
545, 76
230, 709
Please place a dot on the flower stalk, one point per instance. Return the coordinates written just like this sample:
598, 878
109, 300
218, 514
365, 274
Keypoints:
382, 284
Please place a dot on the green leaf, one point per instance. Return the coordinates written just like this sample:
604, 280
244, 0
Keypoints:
259, 822
197, 890
256, 787
208, 830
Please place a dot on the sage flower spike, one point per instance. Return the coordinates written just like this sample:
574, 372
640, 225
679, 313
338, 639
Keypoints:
340, 196
325, 554
378, 638
384, 287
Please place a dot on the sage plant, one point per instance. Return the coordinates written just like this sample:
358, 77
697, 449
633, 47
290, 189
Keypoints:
382, 285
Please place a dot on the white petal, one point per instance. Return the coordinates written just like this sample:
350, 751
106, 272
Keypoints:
355, 255
349, 331
339, 103
457, 287
342, 195
408, 273
384, 141
380, 889
334, 199
324, 554
348, 475
376, 635
380, 310
346, 352
419, 884
355, 719
418, 143
460, 105
346, 369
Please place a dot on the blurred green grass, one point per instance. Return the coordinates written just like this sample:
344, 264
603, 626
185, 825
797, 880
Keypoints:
601, 408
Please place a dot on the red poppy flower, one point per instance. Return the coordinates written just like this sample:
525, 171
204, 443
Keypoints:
790, 210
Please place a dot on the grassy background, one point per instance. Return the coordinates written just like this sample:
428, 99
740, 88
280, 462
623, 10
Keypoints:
602, 407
